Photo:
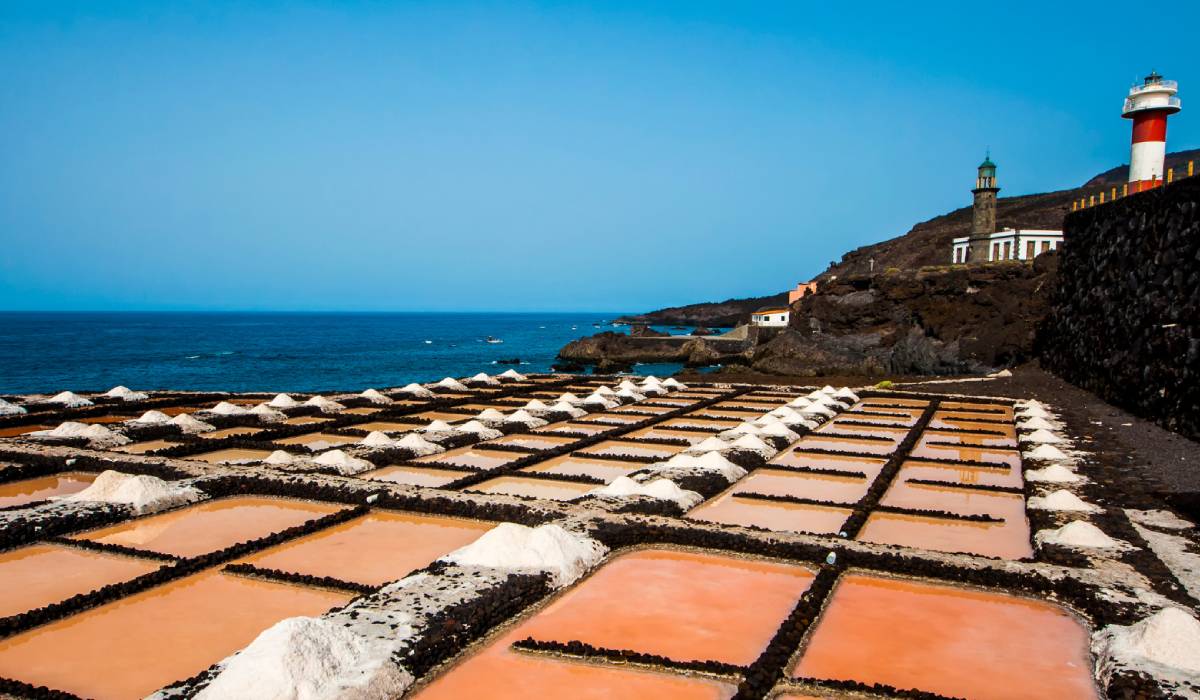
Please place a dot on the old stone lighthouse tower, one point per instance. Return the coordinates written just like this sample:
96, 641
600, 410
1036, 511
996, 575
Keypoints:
983, 223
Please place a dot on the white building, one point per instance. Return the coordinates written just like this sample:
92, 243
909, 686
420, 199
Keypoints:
771, 317
1009, 244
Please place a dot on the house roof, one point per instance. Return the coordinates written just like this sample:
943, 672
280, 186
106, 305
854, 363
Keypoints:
773, 310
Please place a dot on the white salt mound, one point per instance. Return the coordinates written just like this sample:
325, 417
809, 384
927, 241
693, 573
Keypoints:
754, 443
1033, 412
189, 424
452, 383
126, 394
146, 494
800, 402
375, 396
828, 390
1079, 533
419, 445
484, 432
631, 394
662, 489
570, 398
10, 409
228, 409
674, 383
626, 384
536, 405
513, 374
324, 404
483, 378
845, 393
1053, 474
343, 463
1035, 424
605, 391
564, 407
377, 439
1042, 437
652, 389
1046, 453
417, 390
438, 426
280, 457
564, 555
283, 401
598, 399
267, 414
779, 430
712, 463
1170, 637
309, 658
152, 418
525, 418
1062, 500
491, 415
818, 410
69, 399
711, 444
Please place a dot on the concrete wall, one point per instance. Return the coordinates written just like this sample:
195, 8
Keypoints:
1125, 317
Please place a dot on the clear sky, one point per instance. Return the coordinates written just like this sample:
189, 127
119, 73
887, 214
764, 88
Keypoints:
602, 156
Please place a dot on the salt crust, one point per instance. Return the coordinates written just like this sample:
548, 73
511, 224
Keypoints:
1045, 453
324, 404
95, 434
10, 409
1163, 519
513, 374
451, 383
343, 463
1042, 437
375, 396
126, 394
1053, 474
516, 548
1079, 533
415, 389
267, 414
145, 494
309, 658
1062, 500
227, 409
188, 424
152, 418
69, 399
283, 401
1169, 637
662, 489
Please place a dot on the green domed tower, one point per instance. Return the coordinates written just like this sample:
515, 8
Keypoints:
983, 221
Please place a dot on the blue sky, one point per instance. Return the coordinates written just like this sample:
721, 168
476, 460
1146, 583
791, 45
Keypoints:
528, 156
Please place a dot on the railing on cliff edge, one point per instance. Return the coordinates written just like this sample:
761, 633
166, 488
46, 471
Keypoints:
1113, 193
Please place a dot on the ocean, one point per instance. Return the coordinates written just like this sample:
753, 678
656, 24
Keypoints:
45, 352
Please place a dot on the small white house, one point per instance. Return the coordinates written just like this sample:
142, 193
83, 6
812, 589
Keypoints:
1009, 244
774, 317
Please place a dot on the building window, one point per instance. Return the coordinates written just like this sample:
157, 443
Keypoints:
995, 251
1030, 250
1007, 251
1045, 246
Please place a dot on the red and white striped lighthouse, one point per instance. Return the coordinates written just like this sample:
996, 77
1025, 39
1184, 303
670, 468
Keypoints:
1149, 105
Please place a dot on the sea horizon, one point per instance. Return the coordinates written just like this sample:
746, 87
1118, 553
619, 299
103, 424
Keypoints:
276, 351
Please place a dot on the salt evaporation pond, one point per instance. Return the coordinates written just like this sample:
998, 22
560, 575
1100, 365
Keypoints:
16, 493
41, 574
415, 476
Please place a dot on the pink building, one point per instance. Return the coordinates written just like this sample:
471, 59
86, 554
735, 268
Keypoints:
800, 290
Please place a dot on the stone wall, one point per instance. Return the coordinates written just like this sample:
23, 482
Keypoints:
1125, 317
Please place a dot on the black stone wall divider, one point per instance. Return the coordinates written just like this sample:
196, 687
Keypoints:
583, 650
815, 471
20, 689
972, 431
874, 688
970, 487
870, 501
456, 627
770, 666
299, 579
111, 548
26, 531
180, 568
942, 514
796, 500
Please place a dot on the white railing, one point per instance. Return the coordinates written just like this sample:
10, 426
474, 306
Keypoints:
1160, 85
1172, 101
